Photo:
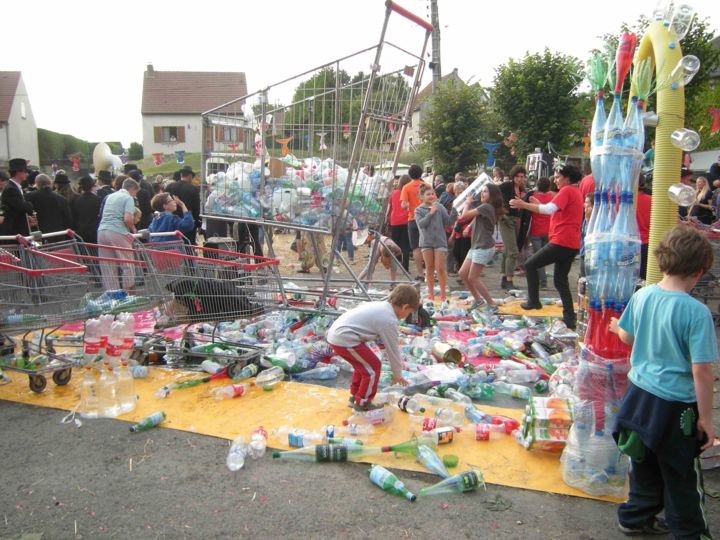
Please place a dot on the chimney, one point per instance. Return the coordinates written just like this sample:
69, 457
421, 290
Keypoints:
150, 72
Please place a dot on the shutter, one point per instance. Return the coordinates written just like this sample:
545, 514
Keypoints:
241, 135
218, 133
181, 133
157, 134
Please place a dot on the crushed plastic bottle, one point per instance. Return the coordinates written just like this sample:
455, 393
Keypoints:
258, 443
236, 456
270, 377
231, 391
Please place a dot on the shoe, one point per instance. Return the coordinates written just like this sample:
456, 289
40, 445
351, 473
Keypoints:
491, 310
503, 283
475, 304
528, 305
656, 527
369, 406
351, 401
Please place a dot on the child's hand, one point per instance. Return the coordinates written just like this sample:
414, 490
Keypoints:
433, 208
705, 428
398, 379
614, 325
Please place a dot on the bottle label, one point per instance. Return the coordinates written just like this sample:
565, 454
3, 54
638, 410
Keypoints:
429, 423
379, 475
402, 403
330, 453
330, 431
91, 347
238, 390
482, 432
445, 435
113, 349
470, 481
296, 440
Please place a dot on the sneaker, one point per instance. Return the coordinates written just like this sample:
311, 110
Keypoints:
369, 406
351, 401
528, 305
475, 304
656, 527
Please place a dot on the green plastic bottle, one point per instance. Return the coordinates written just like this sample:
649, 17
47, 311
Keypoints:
148, 422
390, 483
460, 483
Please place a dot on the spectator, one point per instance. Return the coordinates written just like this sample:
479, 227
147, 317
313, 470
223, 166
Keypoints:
165, 219
105, 179
564, 241
702, 207
399, 221
716, 198
18, 211
189, 193
460, 244
51, 209
114, 234
642, 214
409, 200
432, 218
29, 184
714, 171
686, 178
439, 185
85, 209
587, 184
508, 224
144, 197
64, 187
540, 224
498, 176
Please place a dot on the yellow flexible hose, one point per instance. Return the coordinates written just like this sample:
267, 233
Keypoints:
670, 105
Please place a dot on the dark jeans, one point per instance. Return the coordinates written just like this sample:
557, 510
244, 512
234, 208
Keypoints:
563, 258
656, 484
460, 250
643, 261
399, 235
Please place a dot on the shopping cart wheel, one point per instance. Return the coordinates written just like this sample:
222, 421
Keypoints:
62, 376
37, 383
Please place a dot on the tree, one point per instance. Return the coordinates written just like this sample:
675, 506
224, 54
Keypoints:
135, 152
698, 117
536, 99
456, 124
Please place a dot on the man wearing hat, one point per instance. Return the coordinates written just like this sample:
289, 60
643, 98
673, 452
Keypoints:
52, 209
29, 184
105, 179
85, 209
189, 194
17, 209
144, 197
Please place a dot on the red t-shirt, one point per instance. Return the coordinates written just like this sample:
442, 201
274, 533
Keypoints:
540, 223
566, 222
411, 194
642, 213
587, 185
398, 216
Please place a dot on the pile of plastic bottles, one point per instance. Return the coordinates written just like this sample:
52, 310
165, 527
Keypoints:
545, 424
107, 392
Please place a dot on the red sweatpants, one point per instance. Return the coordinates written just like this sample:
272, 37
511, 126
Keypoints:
367, 371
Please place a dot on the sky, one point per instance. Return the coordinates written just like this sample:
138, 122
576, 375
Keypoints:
83, 61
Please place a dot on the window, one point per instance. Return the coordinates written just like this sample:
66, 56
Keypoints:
169, 134
23, 112
226, 134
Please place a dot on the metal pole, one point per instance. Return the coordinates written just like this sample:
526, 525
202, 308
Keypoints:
435, 21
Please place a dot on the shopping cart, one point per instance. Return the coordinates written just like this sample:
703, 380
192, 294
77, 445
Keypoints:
707, 289
40, 290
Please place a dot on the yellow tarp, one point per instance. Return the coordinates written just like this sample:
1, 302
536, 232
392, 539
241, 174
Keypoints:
502, 460
513, 308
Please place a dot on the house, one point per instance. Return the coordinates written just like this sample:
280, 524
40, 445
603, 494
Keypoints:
420, 107
18, 131
172, 104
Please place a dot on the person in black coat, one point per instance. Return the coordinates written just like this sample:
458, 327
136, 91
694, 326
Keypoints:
143, 198
105, 178
85, 210
16, 208
52, 210
188, 193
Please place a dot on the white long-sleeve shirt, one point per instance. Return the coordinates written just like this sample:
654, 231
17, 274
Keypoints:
370, 321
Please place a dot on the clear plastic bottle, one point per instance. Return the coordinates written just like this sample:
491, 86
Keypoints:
236, 456
458, 397
354, 430
126, 389
258, 443
91, 340
318, 373
375, 416
106, 321
514, 390
128, 336
521, 376
208, 366
114, 348
231, 391
89, 398
107, 391
449, 417
270, 377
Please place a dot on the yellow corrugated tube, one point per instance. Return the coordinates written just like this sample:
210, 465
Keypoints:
665, 52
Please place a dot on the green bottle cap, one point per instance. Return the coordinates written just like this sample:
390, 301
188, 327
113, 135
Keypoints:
275, 455
450, 460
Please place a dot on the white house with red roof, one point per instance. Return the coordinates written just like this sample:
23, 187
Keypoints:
18, 131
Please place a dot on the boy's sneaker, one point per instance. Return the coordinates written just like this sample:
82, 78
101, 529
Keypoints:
656, 527
369, 406
351, 401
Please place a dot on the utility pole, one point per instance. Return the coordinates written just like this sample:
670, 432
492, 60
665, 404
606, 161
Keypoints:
435, 62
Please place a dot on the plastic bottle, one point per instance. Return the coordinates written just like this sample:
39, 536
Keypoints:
521, 376
354, 430
246, 372
427, 423
477, 416
449, 417
297, 437
270, 377
407, 404
597, 137
107, 392
127, 398
460, 483
318, 373
513, 390
374, 416
208, 366
231, 391
148, 422
437, 436
389, 483
258, 443
91, 340
457, 397
113, 351
106, 321
479, 391
236, 456
128, 335
89, 398
427, 457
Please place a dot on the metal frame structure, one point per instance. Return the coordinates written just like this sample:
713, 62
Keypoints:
288, 186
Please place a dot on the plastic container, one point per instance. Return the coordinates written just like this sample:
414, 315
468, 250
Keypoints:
114, 349
258, 443
236, 456
270, 377
89, 398
91, 340
107, 392
127, 398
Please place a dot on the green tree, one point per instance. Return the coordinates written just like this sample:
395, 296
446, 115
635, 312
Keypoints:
536, 99
135, 152
698, 118
456, 125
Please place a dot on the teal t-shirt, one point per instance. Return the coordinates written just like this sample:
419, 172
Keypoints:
672, 330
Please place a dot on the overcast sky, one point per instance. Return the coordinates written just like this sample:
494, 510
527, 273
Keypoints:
83, 61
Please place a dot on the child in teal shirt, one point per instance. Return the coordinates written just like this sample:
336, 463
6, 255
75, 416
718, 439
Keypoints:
665, 419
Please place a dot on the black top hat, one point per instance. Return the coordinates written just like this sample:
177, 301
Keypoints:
86, 183
18, 165
129, 167
104, 176
62, 178
186, 171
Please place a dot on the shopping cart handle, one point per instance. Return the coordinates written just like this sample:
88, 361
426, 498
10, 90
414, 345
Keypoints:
37, 236
145, 234
409, 15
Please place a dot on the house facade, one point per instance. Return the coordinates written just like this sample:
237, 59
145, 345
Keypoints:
173, 102
18, 131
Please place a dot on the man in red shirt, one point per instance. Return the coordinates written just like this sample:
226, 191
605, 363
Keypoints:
587, 185
540, 224
566, 211
410, 200
642, 214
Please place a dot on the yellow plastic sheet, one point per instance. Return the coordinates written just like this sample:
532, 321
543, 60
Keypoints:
513, 308
502, 460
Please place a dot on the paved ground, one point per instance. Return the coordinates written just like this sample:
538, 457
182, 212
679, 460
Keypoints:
59, 481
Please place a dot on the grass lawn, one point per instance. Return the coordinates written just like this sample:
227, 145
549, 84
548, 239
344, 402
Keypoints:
148, 167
